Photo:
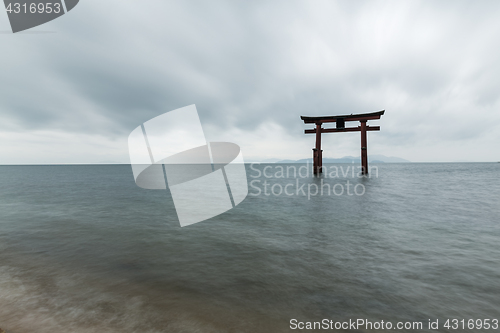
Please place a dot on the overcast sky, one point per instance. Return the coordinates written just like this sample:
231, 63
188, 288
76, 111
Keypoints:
72, 90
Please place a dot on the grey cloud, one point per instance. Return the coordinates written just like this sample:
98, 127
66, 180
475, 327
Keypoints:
247, 63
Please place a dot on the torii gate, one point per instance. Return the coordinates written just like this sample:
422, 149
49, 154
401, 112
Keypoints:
340, 122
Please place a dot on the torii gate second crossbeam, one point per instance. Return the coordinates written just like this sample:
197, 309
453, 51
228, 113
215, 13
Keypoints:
340, 127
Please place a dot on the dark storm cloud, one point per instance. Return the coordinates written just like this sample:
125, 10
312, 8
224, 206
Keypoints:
113, 65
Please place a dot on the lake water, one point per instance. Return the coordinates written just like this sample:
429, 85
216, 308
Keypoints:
83, 249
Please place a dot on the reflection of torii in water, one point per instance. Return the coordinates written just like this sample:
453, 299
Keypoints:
340, 122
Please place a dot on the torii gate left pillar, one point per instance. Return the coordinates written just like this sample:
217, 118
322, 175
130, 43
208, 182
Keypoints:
318, 152
340, 127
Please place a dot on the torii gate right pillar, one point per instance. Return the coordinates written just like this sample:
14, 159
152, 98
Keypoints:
364, 150
318, 152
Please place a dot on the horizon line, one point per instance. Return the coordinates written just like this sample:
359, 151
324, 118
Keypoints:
68, 164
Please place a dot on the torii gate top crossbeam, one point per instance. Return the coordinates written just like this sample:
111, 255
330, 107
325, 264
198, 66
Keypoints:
349, 117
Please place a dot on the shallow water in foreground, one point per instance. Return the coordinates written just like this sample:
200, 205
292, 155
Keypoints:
82, 249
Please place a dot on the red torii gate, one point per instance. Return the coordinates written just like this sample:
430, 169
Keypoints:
340, 127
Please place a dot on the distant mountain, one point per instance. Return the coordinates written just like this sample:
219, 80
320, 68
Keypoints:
352, 159
268, 160
387, 159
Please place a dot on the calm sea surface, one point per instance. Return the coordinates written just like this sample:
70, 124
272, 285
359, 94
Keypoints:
83, 249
